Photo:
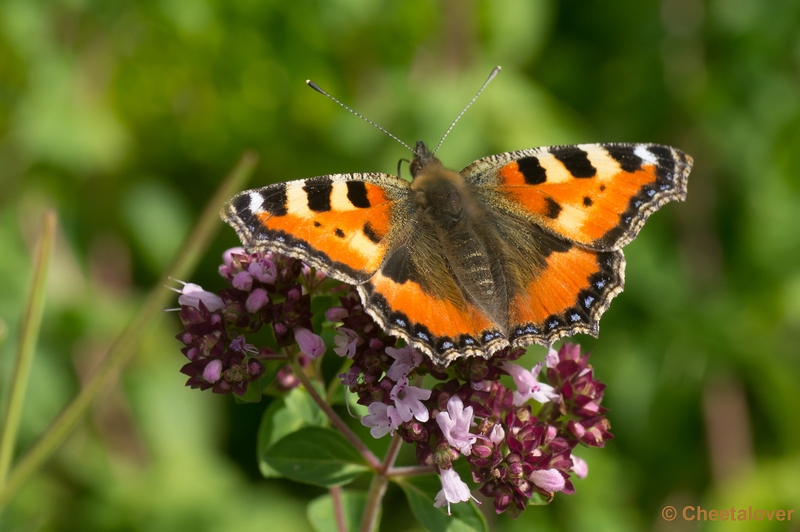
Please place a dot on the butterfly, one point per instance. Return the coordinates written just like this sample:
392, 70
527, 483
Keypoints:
517, 248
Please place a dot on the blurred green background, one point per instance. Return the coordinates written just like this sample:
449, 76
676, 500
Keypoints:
125, 116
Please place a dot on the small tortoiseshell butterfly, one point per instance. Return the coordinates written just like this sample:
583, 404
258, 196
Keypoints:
517, 248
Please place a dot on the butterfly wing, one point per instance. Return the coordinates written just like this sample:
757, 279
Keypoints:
596, 195
342, 224
360, 229
574, 207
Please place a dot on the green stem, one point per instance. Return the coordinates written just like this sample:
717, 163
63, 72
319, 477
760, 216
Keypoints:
410, 471
377, 489
31, 322
391, 454
124, 348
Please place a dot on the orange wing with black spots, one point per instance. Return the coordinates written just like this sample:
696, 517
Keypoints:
518, 248
596, 195
341, 223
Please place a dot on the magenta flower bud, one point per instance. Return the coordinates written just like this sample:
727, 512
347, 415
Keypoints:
482, 450
243, 281
257, 299
213, 371
309, 343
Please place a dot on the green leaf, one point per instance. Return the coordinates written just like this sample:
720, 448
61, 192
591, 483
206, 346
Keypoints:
284, 416
323, 518
315, 455
421, 491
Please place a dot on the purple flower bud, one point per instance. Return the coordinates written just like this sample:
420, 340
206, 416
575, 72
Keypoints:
243, 281
256, 300
213, 371
309, 343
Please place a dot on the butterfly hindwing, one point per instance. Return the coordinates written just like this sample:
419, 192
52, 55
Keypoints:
414, 295
341, 223
596, 195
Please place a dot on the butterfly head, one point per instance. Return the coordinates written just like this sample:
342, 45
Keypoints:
422, 158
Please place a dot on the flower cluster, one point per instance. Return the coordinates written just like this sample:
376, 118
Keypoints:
518, 439
263, 289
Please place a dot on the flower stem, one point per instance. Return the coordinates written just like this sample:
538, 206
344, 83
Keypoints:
124, 348
31, 322
338, 508
351, 436
391, 454
377, 489
410, 471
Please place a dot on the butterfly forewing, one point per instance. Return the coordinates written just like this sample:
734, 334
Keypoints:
596, 195
341, 223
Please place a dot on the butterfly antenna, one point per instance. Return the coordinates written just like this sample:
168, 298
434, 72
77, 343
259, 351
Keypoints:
490, 78
362, 117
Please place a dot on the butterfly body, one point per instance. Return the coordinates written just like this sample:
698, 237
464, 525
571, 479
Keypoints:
517, 248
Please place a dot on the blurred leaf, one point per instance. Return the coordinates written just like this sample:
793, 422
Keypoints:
421, 492
284, 416
323, 518
157, 218
318, 456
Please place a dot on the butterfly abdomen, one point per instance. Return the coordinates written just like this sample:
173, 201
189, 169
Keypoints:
447, 204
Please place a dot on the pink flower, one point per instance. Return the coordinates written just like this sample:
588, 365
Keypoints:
192, 294
346, 342
455, 424
408, 401
382, 419
405, 359
548, 479
528, 387
257, 299
336, 314
243, 281
454, 490
579, 467
263, 270
309, 343
497, 435
551, 359
227, 256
